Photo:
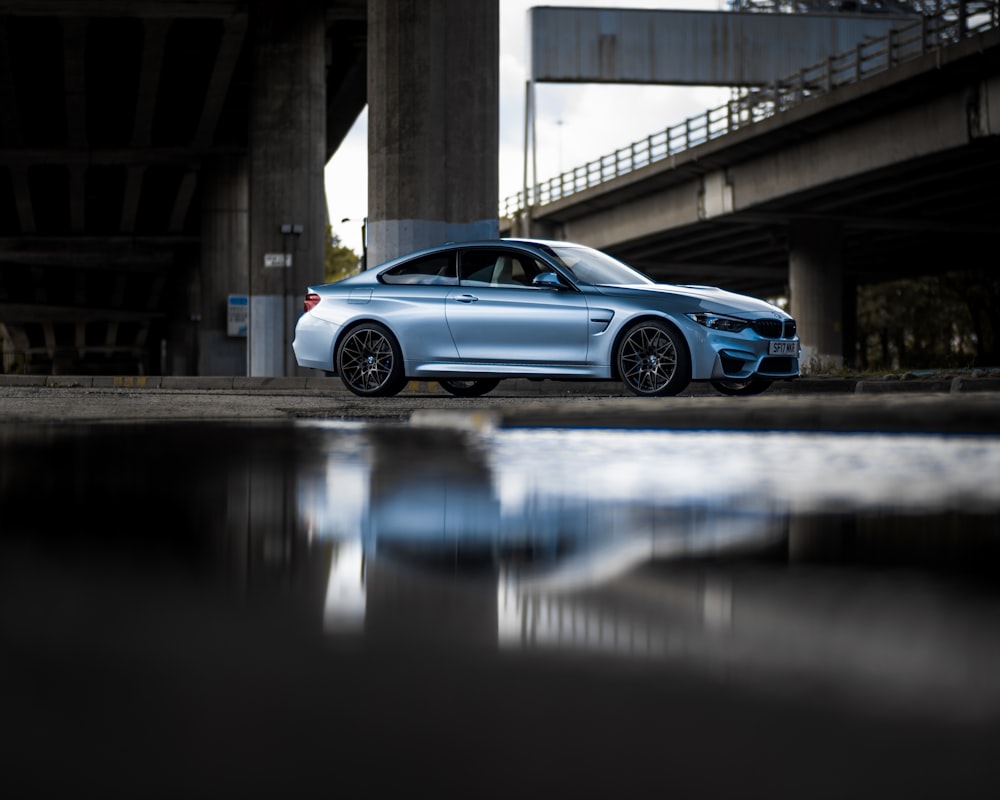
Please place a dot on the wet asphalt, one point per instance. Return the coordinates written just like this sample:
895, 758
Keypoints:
934, 402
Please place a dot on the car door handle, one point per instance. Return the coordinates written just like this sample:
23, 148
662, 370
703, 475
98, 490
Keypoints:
466, 298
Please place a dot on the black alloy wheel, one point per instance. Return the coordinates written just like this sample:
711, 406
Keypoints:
471, 388
369, 361
652, 360
742, 388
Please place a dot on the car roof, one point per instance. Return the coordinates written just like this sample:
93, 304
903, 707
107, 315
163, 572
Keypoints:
457, 245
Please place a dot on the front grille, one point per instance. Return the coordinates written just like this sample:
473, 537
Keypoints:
768, 328
775, 328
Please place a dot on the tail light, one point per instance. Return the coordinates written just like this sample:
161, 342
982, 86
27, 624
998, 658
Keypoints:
312, 300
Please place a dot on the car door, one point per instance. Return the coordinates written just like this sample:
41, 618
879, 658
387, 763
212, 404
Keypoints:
497, 316
411, 301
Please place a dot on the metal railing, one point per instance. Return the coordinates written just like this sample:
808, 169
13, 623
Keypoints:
869, 57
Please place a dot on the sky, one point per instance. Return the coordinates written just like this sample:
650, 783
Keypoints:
575, 123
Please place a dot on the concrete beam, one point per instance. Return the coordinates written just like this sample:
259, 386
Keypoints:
22, 195
692, 48
75, 79
108, 156
10, 121
18, 314
77, 199
169, 9
154, 47
233, 36
137, 252
182, 203
133, 192
867, 145
780, 172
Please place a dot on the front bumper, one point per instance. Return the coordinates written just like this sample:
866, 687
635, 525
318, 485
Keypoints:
742, 363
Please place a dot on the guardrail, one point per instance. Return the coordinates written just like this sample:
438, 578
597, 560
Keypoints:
869, 57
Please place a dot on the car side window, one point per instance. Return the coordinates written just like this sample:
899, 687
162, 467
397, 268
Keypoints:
475, 267
498, 268
433, 270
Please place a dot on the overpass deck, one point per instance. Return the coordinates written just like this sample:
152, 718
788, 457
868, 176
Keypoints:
896, 141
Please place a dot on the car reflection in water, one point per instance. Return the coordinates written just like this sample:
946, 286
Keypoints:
427, 499
688, 574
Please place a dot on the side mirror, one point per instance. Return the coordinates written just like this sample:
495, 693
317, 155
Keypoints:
547, 280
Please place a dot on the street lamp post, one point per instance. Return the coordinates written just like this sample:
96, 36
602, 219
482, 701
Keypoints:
364, 240
290, 234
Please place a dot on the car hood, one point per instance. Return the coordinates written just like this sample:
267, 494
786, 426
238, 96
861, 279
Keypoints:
706, 298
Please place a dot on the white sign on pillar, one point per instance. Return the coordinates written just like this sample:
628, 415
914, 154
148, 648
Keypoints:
273, 260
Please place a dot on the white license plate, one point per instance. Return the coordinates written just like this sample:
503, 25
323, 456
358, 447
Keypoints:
783, 348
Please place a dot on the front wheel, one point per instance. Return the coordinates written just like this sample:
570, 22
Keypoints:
370, 362
742, 388
652, 360
469, 388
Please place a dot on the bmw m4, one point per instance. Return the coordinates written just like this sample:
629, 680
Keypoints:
470, 314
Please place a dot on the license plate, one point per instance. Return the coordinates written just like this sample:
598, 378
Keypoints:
783, 348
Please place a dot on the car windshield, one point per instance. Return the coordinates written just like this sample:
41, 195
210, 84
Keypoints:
591, 266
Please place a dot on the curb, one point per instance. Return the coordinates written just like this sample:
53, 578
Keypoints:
939, 383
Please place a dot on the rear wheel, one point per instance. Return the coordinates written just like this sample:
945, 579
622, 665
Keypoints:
652, 360
370, 362
474, 388
742, 388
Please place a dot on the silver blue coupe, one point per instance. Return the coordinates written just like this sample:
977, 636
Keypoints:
469, 314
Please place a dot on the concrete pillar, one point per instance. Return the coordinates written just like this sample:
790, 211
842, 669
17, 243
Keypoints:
850, 317
225, 246
815, 268
287, 158
433, 123
179, 349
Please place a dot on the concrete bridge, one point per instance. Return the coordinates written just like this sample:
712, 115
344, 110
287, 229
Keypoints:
881, 163
162, 199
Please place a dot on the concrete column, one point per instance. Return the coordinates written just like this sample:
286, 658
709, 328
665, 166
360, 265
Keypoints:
225, 253
433, 123
287, 158
815, 268
850, 318
179, 350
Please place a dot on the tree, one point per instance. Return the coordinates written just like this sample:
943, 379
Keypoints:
340, 261
980, 290
938, 321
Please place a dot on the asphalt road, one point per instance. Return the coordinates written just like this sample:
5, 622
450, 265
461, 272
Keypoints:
945, 404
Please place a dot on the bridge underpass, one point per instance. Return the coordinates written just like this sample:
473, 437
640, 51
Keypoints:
127, 134
892, 176
156, 157
162, 198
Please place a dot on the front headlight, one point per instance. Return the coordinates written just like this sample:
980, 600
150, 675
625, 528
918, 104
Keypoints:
718, 322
